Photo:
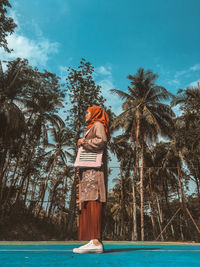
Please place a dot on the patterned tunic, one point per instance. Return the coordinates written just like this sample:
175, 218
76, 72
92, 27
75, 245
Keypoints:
92, 180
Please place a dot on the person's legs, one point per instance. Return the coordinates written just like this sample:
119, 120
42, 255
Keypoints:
96, 215
83, 226
94, 219
90, 221
90, 227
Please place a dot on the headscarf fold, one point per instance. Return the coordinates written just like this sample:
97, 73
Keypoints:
98, 114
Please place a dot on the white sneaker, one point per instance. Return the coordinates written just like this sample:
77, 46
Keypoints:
89, 248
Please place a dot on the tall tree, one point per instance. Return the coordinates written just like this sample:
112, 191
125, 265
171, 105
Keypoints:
61, 138
120, 147
29, 103
189, 122
144, 117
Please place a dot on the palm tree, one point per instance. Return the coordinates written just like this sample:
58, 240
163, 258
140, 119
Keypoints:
61, 137
179, 148
188, 121
162, 178
189, 99
119, 146
12, 119
144, 117
42, 95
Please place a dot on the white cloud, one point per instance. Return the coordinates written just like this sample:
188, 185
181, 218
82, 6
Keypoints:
174, 82
181, 73
106, 85
104, 70
63, 74
37, 51
181, 76
105, 80
12, 13
195, 67
194, 84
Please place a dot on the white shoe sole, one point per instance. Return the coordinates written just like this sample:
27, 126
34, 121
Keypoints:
88, 251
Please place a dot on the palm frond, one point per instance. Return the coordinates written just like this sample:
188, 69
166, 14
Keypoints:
120, 93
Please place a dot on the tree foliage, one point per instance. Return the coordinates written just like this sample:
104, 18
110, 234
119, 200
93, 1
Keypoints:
7, 24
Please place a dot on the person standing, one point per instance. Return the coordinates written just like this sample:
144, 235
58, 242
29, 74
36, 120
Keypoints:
92, 184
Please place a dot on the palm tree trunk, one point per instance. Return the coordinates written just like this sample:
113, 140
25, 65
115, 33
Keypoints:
122, 206
25, 173
151, 205
27, 191
41, 198
52, 198
198, 187
13, 178
13, 182
160, 217
72, 211
185, 209
142, 192
173, 232
2, 164
152, 219
4, 180
134, 233
181, 227
46, 181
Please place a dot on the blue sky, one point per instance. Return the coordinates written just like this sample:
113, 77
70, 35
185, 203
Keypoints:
116, 36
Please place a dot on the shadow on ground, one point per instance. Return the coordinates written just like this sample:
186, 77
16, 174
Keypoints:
127, 249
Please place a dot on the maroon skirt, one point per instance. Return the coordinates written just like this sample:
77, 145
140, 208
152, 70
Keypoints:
90, 220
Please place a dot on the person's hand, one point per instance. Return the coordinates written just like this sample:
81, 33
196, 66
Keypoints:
80, 141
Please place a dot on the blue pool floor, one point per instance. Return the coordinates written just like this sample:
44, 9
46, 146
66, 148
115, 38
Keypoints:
115, 255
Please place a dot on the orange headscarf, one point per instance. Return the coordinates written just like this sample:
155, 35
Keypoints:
98, 114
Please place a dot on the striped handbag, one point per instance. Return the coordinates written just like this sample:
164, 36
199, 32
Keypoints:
88, 159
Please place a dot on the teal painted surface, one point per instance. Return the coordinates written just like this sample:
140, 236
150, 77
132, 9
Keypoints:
115, 255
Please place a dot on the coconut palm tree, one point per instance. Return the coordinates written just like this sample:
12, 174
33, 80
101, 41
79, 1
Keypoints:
120, 147
189, 100
61, 138
168, 177
11, 116
163, 182
189, 122
179, 148
145, 117
42, 95
12, 119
